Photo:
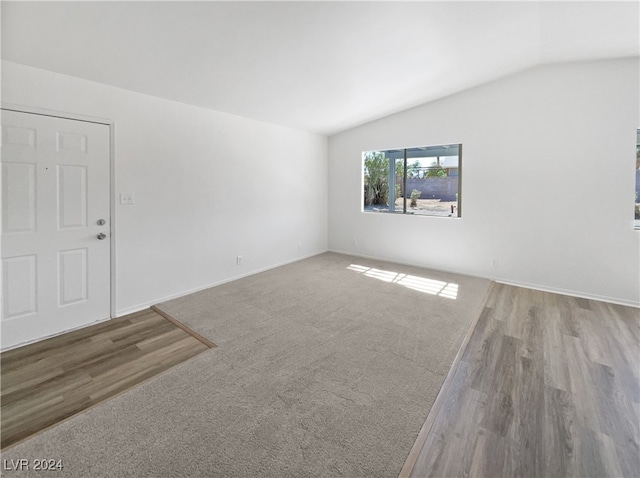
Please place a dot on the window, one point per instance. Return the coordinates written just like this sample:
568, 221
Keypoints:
426, 180
637, 201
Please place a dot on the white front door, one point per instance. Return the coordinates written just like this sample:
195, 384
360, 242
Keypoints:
55, 225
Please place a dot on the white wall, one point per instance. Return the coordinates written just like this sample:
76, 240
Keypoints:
547, 186
209, 186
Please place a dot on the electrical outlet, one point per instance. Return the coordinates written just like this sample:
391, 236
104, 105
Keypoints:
239, 260
127, 199
355, 242
299, 246
494, 262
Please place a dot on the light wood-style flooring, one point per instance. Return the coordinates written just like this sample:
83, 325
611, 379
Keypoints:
547, 386
49, 381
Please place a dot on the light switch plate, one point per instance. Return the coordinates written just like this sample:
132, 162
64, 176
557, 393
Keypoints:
127, 198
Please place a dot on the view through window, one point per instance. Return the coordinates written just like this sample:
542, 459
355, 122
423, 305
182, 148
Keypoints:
425, 180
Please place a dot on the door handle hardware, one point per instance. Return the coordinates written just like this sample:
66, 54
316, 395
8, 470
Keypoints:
102, 235
101, 222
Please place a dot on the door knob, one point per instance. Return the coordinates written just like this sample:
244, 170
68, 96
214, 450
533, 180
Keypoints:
101, 222
102, 235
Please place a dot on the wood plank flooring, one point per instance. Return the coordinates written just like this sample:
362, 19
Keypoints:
49, 381
548, 385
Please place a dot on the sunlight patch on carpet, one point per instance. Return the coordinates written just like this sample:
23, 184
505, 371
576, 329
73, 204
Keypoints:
440, 288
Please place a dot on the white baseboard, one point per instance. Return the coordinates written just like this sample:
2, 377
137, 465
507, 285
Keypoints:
543, 288
146, 305
410, 264
571, 293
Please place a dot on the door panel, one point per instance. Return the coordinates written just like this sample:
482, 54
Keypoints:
55, 189
72, 266
19, 282
72, 200
19, 197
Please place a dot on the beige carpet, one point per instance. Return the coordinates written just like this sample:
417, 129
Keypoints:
324, 367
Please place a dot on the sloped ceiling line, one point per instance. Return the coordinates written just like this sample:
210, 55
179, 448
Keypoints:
317, 66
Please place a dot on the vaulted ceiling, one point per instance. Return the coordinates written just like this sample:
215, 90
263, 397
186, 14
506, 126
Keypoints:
317, 66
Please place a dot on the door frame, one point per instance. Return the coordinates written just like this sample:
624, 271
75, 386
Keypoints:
112, 173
